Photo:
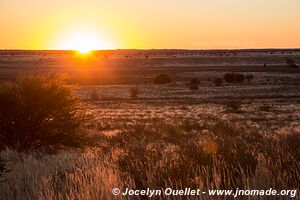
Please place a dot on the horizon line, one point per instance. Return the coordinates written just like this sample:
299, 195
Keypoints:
157, 49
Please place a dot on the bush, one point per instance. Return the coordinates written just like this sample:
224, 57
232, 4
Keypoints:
234, 78
218, 82
162, 79
39, 111
134, 92
194, 87
234, 105
94, 95
291, 63
195, 81
249, 77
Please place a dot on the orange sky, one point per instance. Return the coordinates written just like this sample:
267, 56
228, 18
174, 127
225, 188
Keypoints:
190, 24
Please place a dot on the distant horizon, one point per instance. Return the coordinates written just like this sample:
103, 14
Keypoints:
154, 49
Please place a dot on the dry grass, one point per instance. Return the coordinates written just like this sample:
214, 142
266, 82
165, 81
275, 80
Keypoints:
67, 175
157, 154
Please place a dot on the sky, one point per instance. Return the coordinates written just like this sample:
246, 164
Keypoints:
149, 24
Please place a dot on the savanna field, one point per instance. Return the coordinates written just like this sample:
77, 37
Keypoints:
76, 126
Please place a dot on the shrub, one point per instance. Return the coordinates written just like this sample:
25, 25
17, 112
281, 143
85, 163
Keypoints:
162, 79
194, 87
218, 82
195, 81
39, 111
134, 92
249, 77
234, 78
291, 63
94, 95
234, 105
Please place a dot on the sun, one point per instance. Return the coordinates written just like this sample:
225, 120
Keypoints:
84, 51
83, 41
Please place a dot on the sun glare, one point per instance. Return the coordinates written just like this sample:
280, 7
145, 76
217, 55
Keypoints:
83, 50
83, 42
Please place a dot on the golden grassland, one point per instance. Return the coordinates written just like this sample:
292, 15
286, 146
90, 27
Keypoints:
157, 154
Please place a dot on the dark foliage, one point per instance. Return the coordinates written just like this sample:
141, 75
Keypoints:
249, 77
195, 81
234, 78
134, 92
162, 79
194, 87
234, 106
94, 95
218, 82
39, 111
291, 63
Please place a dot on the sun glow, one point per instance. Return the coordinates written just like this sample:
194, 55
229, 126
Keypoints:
83, 42
84, 51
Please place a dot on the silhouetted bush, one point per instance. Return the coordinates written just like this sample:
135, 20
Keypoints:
162, 79
234, 78
234, 106
194, 87
134, 92
249, 77
94, 95
291, 63
39, 111
195, 81
218, 82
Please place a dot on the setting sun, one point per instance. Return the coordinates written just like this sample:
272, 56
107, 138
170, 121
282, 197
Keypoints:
83, 41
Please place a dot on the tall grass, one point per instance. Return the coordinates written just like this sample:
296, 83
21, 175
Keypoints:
67, 175
156, 154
